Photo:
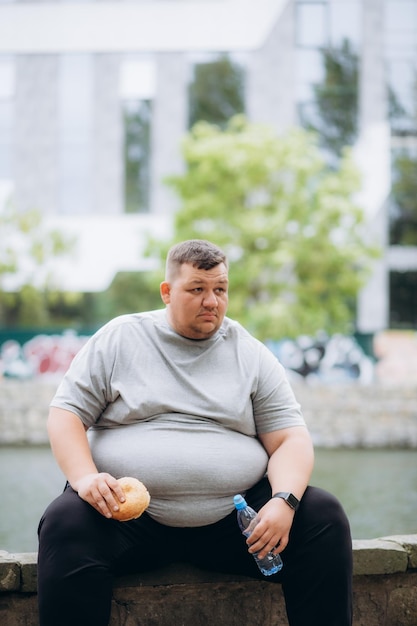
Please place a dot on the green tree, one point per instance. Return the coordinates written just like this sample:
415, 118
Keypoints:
26, 249
287, 222
336, 99
128, 292
137, 124
403, 218
217, 92
403, 226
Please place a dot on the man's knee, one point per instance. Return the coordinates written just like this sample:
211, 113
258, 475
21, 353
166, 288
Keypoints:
68, 516
323, 514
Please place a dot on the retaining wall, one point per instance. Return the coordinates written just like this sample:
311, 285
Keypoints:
337, 415
385, 592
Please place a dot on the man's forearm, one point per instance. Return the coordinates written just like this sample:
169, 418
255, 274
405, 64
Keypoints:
69, 445
291, 462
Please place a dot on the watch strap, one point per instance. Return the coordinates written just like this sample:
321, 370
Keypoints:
289, 498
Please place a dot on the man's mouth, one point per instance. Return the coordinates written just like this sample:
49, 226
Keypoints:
208, 316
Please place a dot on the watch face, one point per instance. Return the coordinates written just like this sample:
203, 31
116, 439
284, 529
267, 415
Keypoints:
289, 498
292, 501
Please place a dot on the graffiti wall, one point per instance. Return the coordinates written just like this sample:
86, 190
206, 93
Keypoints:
338, 358
330, 358
43, 355
322, 359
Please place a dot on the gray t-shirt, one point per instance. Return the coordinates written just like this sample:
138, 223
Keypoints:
180, 415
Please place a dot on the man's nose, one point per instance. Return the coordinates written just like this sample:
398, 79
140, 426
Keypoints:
210, 299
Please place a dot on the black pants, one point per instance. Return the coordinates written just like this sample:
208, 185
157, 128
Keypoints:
80, 552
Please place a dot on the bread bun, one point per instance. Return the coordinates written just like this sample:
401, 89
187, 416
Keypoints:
137, 499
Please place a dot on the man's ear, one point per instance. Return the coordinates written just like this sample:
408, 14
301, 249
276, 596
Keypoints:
165, 291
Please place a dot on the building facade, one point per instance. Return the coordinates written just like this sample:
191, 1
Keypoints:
95, 95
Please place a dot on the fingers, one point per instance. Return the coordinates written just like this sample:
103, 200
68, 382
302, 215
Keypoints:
103, 499
262, 546
277, 548
102, 491
269, 535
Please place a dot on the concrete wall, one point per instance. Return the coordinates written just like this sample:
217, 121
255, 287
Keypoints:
385, 592
337, 415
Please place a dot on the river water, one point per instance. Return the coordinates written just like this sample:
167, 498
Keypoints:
378, 489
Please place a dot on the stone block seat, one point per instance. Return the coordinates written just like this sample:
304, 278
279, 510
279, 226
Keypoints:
385, 592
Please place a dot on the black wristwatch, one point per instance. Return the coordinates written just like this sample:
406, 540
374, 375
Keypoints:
289, 498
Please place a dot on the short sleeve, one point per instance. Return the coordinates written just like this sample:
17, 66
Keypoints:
274, 404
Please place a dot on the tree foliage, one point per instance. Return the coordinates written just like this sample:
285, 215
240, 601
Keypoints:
129, 291
136, 118
217, 92
26, 249
336, 99
287, 222
403, 225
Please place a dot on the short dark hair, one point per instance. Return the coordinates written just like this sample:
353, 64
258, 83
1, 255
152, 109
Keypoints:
199, 253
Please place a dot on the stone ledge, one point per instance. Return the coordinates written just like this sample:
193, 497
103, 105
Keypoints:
379, 556
384, 592
409, 543
386, 555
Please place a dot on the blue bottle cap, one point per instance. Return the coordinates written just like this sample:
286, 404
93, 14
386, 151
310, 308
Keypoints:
239, 502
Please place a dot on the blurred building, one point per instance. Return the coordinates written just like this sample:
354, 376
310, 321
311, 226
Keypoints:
94, 101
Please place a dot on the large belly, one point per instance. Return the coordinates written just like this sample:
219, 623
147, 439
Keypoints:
192, 470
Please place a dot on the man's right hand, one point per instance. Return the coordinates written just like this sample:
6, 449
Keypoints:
71, 449
102, 491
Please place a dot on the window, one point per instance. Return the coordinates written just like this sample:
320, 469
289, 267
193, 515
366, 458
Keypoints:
137, 125
403, 300
400, 31
312, 24
312, 36
403, 209
310, 72
346, 22
216, 92
137, 91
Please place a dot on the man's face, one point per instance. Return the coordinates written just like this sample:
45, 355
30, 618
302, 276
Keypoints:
196, 300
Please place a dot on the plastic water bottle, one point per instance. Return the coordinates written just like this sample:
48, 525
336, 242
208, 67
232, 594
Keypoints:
247, 519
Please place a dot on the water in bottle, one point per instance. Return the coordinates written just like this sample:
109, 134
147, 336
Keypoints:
247, 519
